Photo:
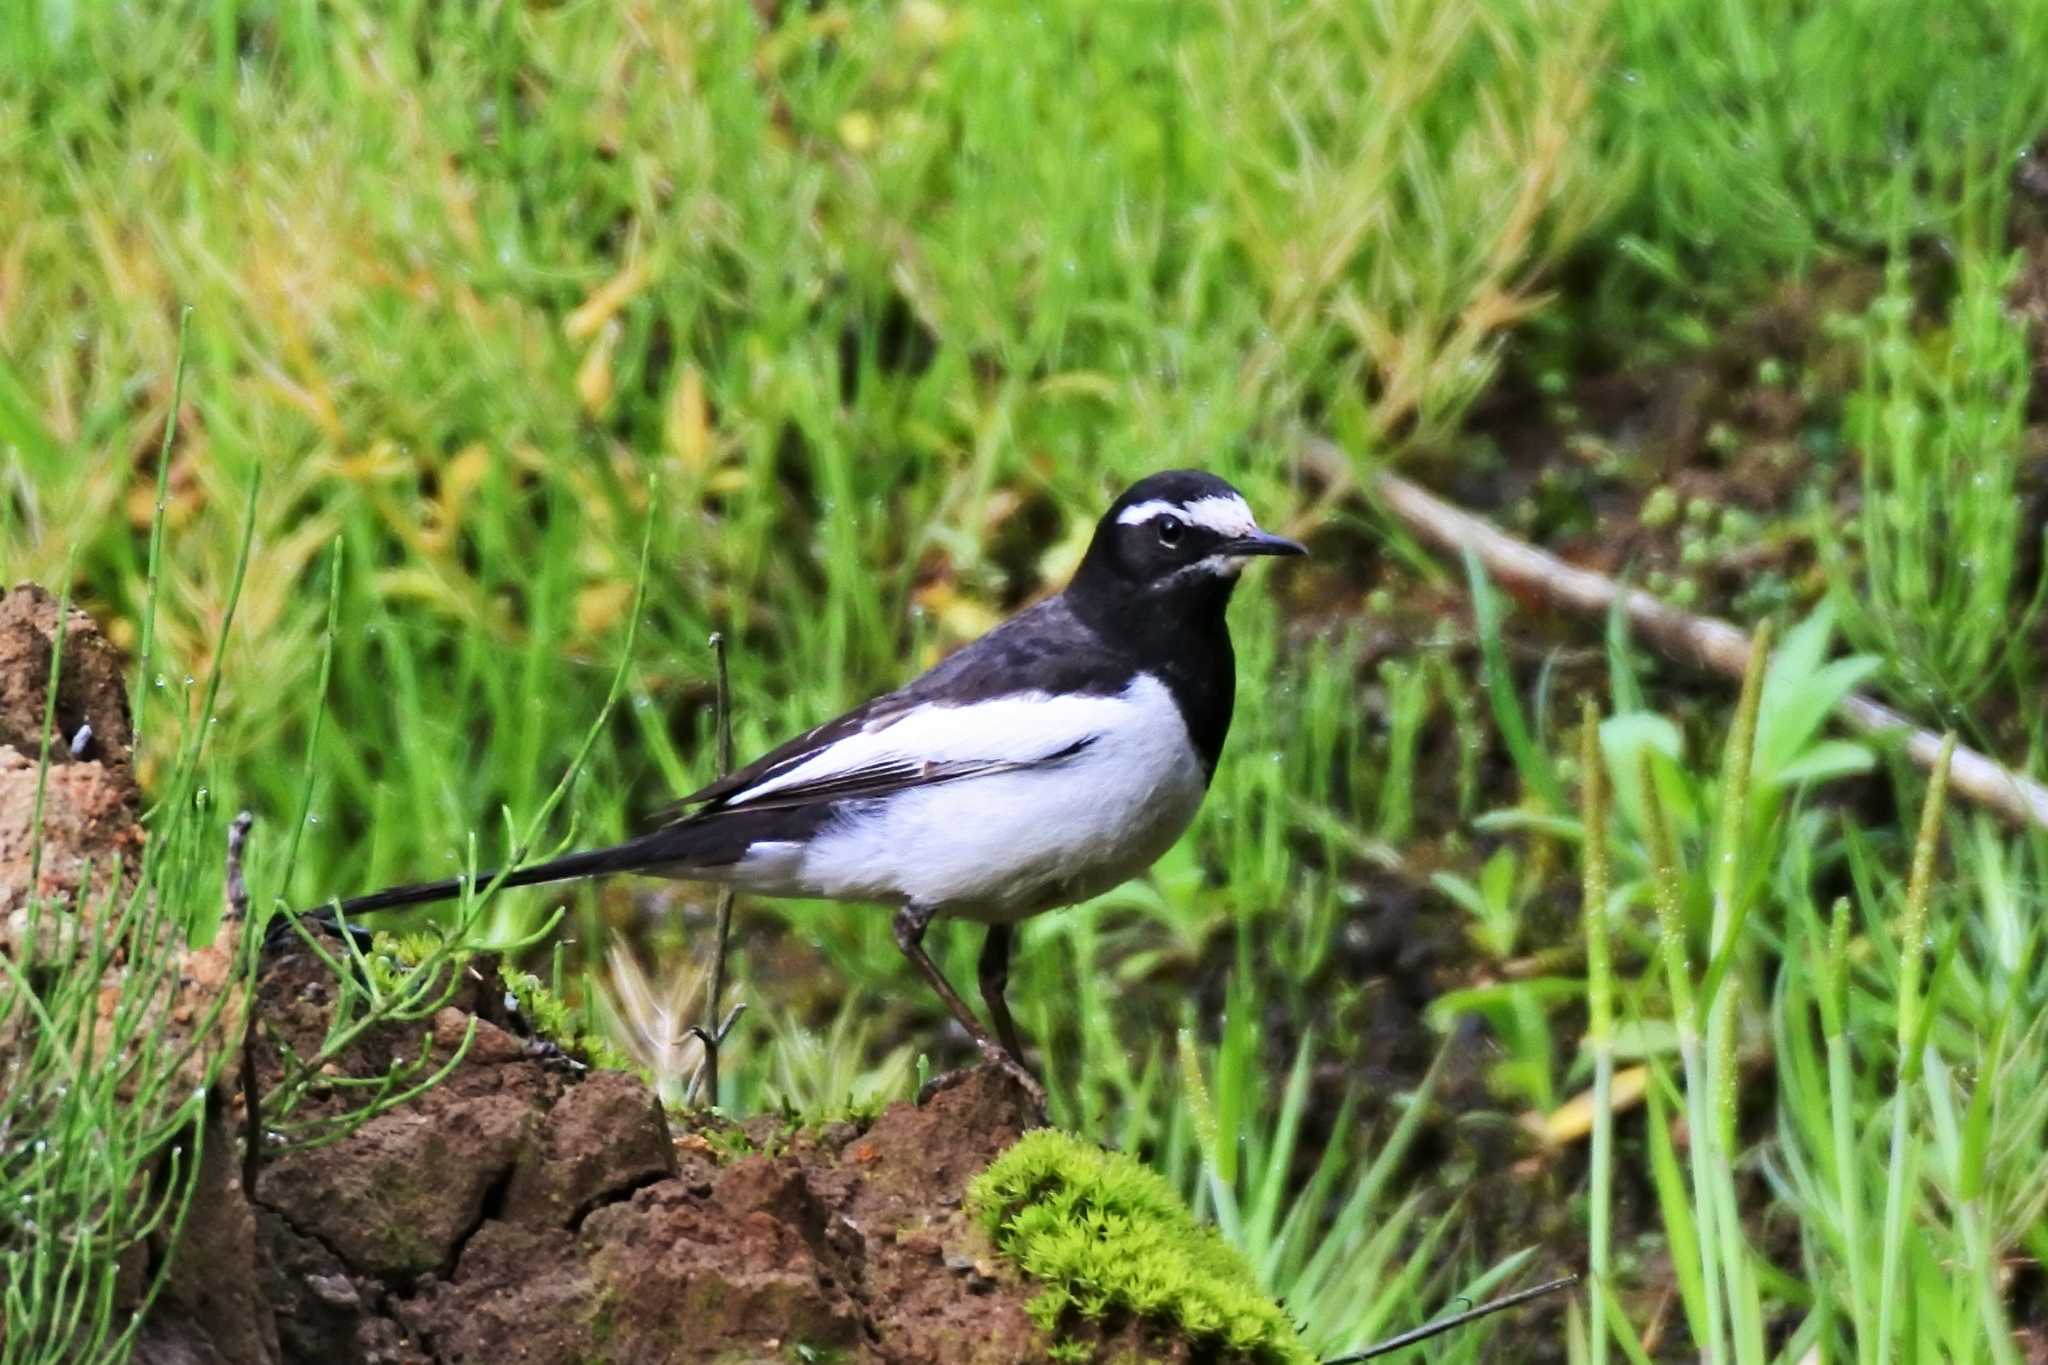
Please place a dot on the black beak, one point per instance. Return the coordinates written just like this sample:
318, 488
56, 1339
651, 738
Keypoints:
1264, 543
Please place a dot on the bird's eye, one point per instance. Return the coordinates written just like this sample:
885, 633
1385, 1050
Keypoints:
1170, 531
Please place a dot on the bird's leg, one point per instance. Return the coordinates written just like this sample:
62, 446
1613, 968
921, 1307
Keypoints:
911, 922
994, 971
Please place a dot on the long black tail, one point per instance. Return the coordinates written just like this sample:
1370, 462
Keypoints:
648, 851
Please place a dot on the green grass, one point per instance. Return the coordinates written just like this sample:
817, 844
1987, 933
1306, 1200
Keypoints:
1895, 1148
1768, 139
876, 414
102, 1120
858, 314
1941, 416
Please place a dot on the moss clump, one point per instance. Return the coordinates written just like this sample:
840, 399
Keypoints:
393, 956
555, 1019
1105, 1235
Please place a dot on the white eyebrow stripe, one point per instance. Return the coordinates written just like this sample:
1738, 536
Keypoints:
1139, 512
1219, 512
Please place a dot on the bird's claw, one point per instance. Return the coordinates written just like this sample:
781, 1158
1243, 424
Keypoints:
995, 1056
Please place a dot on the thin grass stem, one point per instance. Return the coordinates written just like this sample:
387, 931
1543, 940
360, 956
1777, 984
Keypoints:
1600, 1019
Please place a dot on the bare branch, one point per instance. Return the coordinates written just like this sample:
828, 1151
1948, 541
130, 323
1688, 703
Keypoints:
1716, 645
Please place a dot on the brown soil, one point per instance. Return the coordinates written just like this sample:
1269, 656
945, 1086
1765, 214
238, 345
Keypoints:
89, 798
73, 831
529, 1210
526, 1209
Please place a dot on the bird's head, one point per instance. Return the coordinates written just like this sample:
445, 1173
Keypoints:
1179, 534
1170, 549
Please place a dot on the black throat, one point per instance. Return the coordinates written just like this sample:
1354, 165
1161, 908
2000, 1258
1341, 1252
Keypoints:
1174, 631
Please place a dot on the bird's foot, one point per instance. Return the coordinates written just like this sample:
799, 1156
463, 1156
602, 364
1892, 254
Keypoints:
1006, 1062
994, 1056
551, 1056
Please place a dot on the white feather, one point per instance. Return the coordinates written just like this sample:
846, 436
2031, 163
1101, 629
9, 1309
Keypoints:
1224, 513
1023, 728
1005, 845
1223, 566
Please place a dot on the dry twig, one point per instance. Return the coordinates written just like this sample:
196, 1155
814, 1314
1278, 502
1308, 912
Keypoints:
1714, 644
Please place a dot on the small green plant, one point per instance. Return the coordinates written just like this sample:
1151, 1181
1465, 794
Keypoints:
102, 1101
836, 1072
1106, 1236
730, 1143
1940, 420
371, 995
103, 1089
1494, 902
560, 1022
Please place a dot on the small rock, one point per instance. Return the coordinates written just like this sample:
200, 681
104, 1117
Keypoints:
338, 1291
603, 1139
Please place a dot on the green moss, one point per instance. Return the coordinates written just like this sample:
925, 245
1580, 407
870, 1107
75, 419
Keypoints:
603, 1319
806, 1354
392, 957
554, 1019
1106, 1235
736, 1144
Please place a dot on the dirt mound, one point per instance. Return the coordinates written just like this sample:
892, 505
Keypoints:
74, 832
525, 1209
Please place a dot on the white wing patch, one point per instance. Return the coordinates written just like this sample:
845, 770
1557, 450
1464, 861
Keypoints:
1224, 513
1025, 728
1017, 841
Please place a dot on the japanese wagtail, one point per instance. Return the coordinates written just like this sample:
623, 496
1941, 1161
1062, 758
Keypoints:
1058, 755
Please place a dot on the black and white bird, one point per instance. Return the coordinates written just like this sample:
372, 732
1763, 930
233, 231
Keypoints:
1058, 755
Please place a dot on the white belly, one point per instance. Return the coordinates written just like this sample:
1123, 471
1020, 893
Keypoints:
1008, 845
